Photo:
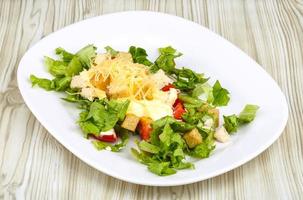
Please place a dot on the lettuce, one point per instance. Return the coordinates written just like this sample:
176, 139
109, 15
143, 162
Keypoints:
104, 115
111, 51
166, 150
248, 114
86, 54
64, 55
139, 55
161, 168
124, 138
202, 150
56, 67
166, 61
69, 66
42, 82
220, 95
187, 79
232, 122
147, 147
58, 84
74, 67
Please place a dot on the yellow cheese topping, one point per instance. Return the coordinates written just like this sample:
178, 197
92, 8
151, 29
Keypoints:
120, 78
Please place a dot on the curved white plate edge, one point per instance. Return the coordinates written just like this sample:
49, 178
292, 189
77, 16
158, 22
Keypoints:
215, 173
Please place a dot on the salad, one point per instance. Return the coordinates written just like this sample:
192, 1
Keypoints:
173, 112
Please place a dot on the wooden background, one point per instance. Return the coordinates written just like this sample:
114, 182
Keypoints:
34, 165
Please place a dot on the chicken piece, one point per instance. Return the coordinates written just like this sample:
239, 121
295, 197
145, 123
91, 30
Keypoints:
130, 122
81, 80
168, 97
209, 123
222, 135
100, 58
161, 79
193, 138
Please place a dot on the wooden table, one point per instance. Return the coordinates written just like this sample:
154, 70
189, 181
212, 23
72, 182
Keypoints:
35, 166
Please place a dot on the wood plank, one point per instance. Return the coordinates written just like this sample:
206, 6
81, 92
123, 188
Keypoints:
34, 165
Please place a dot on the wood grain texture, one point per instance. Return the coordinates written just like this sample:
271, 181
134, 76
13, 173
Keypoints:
33, 165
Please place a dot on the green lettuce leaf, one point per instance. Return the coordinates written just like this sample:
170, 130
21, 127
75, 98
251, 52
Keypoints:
58, 84
86, 54
187, 79
248, 114
139, 55
64, 55
231, 123
202, 150
166, 61
161, 169
147, 147
42, 82
111, 51
220, 95
61, 84
74, 67
88, 127
120, 106
56, 67
104, 114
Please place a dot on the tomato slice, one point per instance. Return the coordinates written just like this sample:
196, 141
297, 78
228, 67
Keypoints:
145, 128
167, 87
179, 109
107, 138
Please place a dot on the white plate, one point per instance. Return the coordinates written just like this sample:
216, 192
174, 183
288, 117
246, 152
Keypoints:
203, 51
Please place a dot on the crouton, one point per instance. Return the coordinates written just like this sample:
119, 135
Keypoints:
193, 138
130, 122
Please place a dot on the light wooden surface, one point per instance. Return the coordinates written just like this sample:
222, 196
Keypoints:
33, 165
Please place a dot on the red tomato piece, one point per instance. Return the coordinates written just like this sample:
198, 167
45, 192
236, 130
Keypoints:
167, 87
179, 109
107, 138
145, 128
